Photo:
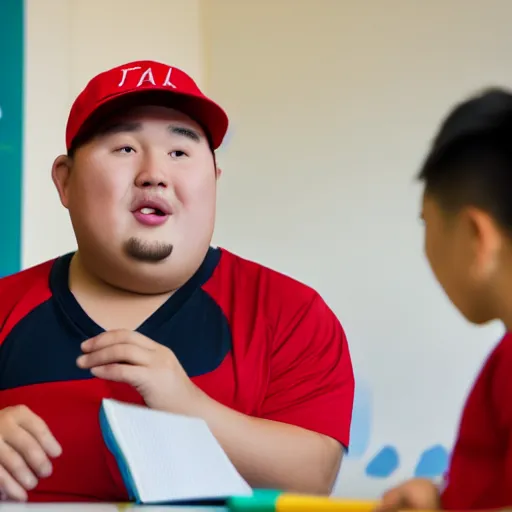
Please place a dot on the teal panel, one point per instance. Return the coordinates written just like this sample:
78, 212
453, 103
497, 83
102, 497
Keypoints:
11, 132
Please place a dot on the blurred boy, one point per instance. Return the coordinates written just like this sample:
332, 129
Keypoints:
467, 210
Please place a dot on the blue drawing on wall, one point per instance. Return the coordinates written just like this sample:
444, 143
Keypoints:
432, 462
384, 463
360, 430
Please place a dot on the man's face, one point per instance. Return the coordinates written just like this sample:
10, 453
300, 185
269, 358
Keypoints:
143, 188
463, 252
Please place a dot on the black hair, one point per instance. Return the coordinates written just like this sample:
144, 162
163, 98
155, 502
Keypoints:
96, 123
78, 141
470, 160
86, 135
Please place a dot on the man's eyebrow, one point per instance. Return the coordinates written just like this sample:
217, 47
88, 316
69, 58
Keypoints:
119, 127
185, 132
132, 126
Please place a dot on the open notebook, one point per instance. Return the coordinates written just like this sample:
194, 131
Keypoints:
167, 458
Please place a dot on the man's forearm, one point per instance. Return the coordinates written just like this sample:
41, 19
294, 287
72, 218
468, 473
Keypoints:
270, 454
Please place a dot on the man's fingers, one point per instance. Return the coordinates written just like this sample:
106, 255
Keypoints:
115, 337
14, 463
26, 444
39, 430
10, 489
30, 450
120, 353
126, 373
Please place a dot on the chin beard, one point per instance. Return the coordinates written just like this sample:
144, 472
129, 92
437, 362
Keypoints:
148, 252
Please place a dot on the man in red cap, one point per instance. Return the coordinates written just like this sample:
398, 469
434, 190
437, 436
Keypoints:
147, 311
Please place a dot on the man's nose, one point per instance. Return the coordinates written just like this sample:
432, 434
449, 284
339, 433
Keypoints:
151, 176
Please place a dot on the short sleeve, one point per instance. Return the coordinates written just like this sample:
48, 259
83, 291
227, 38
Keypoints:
502, 407
311, 378
480, 469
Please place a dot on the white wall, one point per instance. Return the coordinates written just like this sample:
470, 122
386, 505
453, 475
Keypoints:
333, 104
67, 43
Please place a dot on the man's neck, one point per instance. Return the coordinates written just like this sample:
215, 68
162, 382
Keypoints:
108, 306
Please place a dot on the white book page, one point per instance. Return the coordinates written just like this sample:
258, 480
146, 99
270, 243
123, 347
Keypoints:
172, 457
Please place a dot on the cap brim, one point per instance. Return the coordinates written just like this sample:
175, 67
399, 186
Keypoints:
205, 112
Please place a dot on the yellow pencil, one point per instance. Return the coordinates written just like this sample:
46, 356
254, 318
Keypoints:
298, 503
274, 501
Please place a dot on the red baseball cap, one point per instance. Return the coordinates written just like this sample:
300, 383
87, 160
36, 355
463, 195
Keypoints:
134, 81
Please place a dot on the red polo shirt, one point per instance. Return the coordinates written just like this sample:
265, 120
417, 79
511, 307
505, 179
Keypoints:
251, 338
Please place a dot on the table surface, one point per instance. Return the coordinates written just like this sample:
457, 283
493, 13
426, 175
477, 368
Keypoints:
99, 507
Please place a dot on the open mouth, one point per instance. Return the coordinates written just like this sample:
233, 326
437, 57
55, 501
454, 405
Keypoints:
152, 211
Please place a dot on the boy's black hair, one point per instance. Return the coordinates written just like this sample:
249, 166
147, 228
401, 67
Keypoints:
470, 160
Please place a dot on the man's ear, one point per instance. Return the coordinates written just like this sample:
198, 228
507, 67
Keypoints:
218, 172
61, 171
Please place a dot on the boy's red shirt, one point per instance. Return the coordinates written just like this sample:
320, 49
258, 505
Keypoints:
480, 472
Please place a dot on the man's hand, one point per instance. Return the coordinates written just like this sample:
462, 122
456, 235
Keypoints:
151, 368
415, 494
26, 446
266, 453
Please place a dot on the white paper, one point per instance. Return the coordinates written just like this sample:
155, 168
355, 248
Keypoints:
172, 457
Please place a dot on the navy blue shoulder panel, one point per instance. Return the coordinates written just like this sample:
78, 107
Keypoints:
43, 346
199, 334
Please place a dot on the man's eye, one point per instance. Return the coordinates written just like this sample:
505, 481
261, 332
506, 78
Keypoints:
177, 154
125, 149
